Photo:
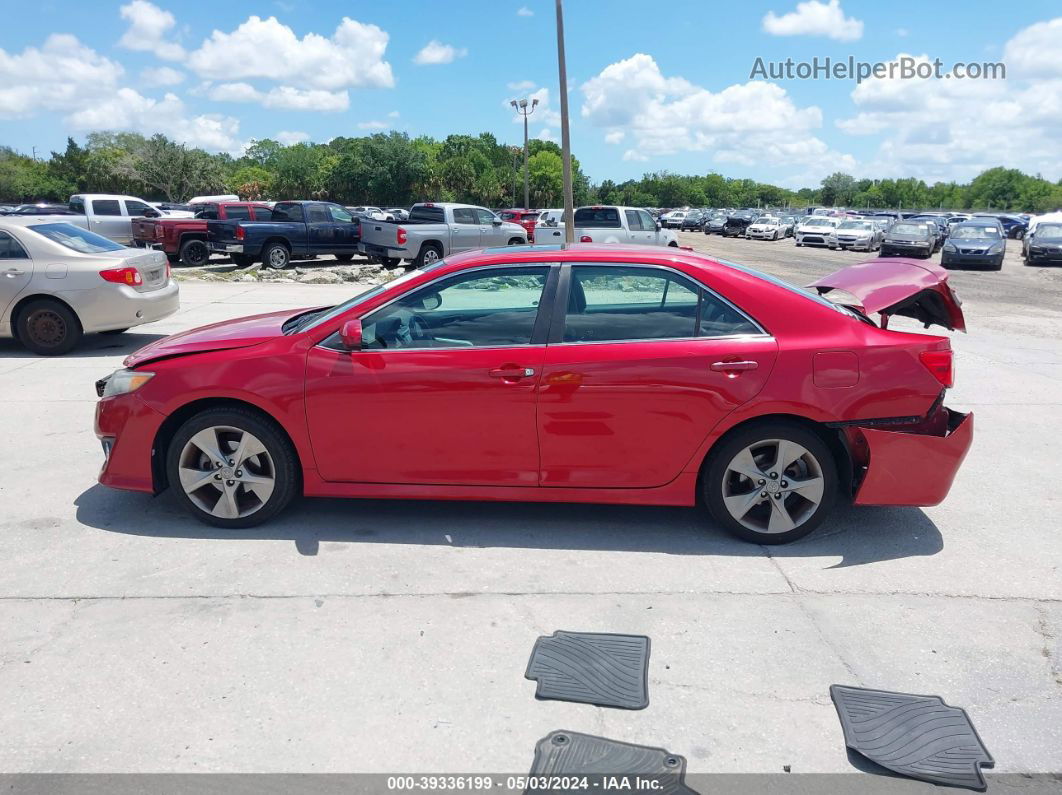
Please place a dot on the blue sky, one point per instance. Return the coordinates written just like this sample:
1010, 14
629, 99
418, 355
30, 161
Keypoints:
652, 86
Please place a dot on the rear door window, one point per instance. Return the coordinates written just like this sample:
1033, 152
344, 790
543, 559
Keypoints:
238, 213
11, 248
634, 221
317, 214
287, 212
610, 303
106, 207
464, 215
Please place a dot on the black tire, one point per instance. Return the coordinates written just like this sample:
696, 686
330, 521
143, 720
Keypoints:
424, 256
194, 253
115, 331
723, 453
276, 256
390, 262
284, 463
997, 265
242, 260
673, 244
48, 327
344, 257
515, 241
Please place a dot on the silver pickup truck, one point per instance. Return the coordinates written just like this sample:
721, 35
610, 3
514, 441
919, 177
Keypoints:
436, 230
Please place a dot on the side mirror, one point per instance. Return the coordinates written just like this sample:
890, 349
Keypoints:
152, 214
659, 226
431, 301
497, 222
350, 335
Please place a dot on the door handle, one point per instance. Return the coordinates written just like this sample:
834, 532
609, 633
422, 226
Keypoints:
11, 273
511, 372
722, 367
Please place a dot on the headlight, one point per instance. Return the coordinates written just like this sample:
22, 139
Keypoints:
996, 249
123, 382
950, 247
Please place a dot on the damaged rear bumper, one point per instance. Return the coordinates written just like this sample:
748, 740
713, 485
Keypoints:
910, 464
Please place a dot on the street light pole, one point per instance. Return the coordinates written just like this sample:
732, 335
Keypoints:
524, 109
566, 147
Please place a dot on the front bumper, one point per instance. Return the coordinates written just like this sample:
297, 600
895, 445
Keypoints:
905, 250
126, 428
957, 258
811, 240
858, 244
911, 464
1053, 254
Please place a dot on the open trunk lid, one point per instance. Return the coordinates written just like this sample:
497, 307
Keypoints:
896, 286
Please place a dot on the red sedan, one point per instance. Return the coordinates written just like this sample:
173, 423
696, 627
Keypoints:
607, 374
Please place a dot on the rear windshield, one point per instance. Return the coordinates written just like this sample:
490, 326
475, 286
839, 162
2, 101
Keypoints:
598, 217
76, 238
434, 215
818, 299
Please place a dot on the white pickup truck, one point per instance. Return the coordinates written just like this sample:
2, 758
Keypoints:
611, 224
108, 215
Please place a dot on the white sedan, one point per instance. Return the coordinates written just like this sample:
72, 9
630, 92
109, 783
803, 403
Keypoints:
59, 282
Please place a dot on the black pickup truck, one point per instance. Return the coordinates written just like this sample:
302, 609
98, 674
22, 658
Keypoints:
298, 229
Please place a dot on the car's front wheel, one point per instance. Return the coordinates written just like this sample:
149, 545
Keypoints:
771, 483
232, 468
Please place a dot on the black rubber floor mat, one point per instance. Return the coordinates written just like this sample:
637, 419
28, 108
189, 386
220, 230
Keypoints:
916, 736
563, 757
592, 668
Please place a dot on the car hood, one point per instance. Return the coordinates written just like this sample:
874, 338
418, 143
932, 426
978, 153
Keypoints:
897, 286
240, 333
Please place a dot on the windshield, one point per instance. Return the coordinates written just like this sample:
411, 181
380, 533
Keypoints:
916, 230
854, 225
76, 238
1048, 230
820, 221
964, 232
314, 319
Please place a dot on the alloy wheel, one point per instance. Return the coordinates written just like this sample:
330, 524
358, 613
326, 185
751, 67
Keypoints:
226, 472
773, 486
431, 256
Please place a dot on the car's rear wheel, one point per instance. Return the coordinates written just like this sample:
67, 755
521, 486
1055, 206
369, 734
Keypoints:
47, 327
429, 255
195, 253
390, 262
771, 483
232, 468
276, 256
344, 257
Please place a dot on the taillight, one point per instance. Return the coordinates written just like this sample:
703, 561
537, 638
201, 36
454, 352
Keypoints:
586, 239
130, 276
240, 232
940, 364
400, 235
169, 270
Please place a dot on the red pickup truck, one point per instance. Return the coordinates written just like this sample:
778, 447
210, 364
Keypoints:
526, 218
185, 239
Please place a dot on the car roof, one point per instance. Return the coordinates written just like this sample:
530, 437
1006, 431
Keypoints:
583, 252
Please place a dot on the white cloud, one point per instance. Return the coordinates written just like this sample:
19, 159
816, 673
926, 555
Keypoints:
373, 125
546, 134
148, 27
289, 137
162, 76
435, 52
393, 114
521, 85
267, 49
614, 137
61, 75
524, 11
1035, 51
753, 124
127, 109
282, 97
814, 18
952, 129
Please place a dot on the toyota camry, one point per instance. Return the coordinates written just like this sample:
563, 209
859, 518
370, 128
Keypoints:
589, 373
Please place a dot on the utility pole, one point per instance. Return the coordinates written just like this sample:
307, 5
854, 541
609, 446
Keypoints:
525, 110
566, 146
